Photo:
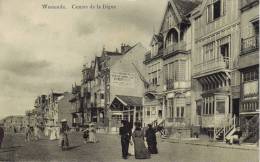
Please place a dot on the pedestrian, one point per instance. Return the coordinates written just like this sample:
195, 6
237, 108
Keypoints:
125, 137
64, 141
28, 134
151, 139
86, 134
92, 134
36, 132
141, 151
1, 135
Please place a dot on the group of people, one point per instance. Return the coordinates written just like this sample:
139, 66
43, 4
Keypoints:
89, 134
136, 138
32, 133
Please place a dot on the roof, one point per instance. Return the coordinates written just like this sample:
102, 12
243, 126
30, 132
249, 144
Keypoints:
130, 100
112, 53
185, 6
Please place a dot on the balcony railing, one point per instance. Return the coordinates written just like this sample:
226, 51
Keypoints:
251, 106
248, 44
151, 87
180, 46
212, 65
149, 55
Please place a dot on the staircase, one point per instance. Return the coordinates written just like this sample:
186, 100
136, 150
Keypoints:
227, 129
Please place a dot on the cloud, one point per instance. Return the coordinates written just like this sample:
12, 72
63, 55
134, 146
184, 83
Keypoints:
84, 28
42, 50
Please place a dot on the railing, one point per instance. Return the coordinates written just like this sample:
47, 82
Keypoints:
180, 46
211, 65
149, 56
151, 87
250, 106
249, 44
228, 125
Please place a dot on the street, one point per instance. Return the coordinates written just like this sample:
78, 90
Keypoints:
108, 149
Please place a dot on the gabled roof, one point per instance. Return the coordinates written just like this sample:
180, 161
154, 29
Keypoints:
157, 38
181, 8
185, 6
129, 100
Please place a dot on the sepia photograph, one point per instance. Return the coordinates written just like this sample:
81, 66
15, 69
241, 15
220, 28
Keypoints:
129, 80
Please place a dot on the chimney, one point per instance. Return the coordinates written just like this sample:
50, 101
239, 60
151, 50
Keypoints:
124, 48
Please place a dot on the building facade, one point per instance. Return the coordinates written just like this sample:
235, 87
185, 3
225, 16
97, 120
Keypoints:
216, 36
249, 70
168, 69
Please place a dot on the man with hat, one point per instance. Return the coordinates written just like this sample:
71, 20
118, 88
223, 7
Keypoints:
125, 137
64, 141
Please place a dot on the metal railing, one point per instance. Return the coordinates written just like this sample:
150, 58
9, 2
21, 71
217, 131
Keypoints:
213, 64
250, 43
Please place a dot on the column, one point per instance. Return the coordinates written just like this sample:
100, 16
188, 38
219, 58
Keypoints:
163, 108
134, 117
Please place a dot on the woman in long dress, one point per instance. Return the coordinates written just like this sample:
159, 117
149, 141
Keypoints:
141, 151
151, 140
92, 134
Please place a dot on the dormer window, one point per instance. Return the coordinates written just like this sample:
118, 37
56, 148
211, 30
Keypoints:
215, 10
154, 49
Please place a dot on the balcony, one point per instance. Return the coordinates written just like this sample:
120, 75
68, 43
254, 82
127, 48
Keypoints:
174, 48
151, 88
251, 106
213, 65
171, 84
149, 57
249, 44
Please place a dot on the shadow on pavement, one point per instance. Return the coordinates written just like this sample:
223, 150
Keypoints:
73, 147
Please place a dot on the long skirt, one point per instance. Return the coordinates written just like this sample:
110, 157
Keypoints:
152, 147
92, 137
141, 151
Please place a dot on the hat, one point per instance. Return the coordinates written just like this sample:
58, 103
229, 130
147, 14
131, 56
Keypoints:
63, 120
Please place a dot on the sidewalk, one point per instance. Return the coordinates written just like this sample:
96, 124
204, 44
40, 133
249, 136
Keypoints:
205, 142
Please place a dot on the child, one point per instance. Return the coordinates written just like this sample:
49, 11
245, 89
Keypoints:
86, 134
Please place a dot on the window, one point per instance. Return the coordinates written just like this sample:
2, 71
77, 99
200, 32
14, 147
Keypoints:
215, 10
148, 112
176, 71
153, 73
220, 107
208, 108
182, 111
101, 96
159, 113
250, 75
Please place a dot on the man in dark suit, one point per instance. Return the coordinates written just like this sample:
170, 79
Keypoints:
125, 137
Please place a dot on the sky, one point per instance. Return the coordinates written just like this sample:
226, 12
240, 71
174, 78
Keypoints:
44, 49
